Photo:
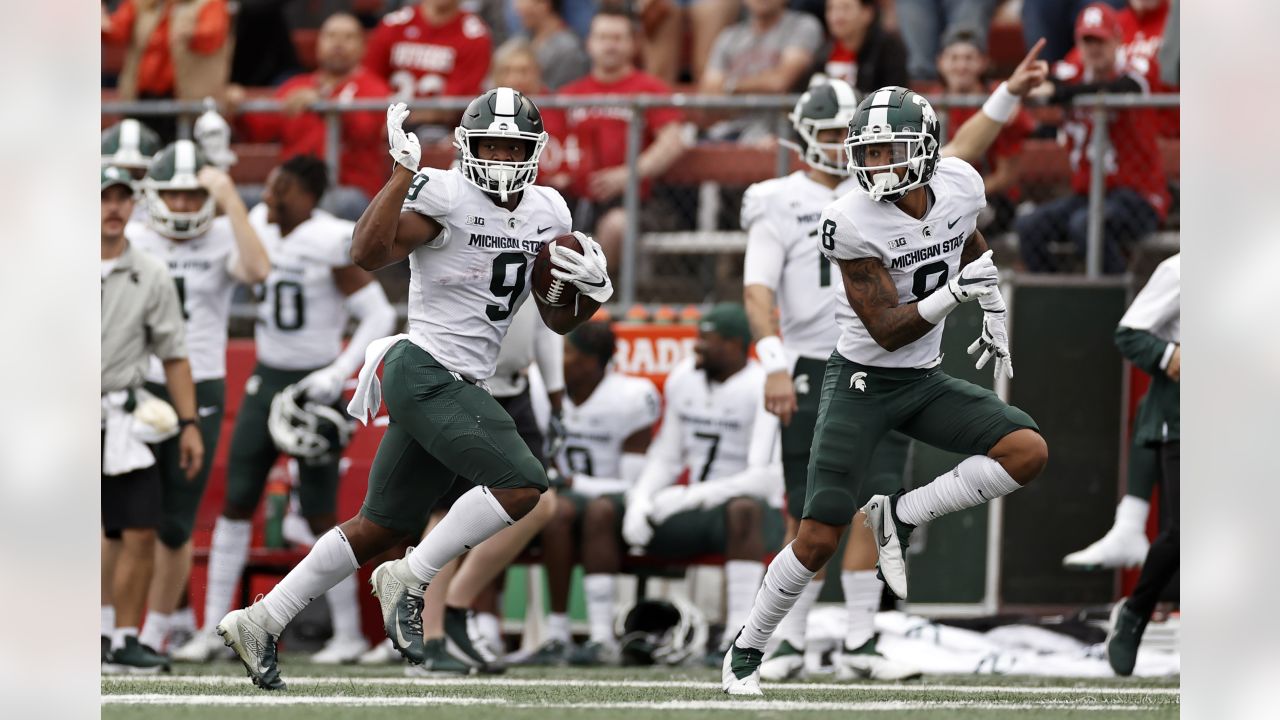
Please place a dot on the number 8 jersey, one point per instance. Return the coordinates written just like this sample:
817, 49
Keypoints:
921, 255
301, 316
465, 285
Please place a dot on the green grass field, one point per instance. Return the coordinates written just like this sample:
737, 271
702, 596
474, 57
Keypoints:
220, 690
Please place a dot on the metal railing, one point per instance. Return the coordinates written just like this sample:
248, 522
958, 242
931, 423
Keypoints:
635, 106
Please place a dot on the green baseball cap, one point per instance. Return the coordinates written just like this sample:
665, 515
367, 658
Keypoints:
112, 175
728, 320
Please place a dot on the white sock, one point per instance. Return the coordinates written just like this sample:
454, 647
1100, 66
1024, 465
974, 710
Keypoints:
119, 634
782, 586
742, 580
475, 517
330, 561
490, 628
558, 627
974, 481
861, 601
601, 589
182, 619
1131, 515
344, 608
108, 619
794, 628
228, 553
155, 630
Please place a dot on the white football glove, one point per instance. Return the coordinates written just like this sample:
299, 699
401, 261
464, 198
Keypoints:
636, 529
588, 270
405, 148
672, 500
324, 385
213, 135
975, 279
994, 341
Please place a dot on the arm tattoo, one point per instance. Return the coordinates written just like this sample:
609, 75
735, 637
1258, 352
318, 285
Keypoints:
974, 246
874, 298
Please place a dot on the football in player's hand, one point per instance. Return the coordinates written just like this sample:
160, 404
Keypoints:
547, 290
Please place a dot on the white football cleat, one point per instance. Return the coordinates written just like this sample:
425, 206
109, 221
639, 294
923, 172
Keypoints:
740, 673
1117, 549
866, 663
891, 541
384, 653
201, 648
340, 651
786, 662
252, 634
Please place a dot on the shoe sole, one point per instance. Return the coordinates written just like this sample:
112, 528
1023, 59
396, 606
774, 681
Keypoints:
386, 628
229, 630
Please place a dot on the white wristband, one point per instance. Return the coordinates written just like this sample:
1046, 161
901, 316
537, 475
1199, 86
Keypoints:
935, 308
772, 357
1001, 105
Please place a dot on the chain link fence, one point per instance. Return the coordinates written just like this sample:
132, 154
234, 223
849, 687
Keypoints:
680, 238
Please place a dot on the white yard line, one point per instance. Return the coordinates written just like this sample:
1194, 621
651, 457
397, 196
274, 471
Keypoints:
730, 705
226, 680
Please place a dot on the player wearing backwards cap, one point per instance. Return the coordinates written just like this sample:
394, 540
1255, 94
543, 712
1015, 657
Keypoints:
908, 252
716, 427
469, 234
785, 265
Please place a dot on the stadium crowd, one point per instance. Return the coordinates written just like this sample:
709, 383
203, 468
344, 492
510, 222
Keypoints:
302, 53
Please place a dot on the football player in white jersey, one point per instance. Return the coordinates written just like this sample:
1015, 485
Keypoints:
207, 256
909, 252
782, 263
716, 427
469, 234
608, 422
306, 300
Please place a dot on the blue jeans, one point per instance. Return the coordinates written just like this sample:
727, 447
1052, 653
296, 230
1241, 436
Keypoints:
1127, 218
1055, 21
922, 23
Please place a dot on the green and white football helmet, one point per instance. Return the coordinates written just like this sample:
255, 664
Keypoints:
906, 122
175, 168
827, 104
129, 144
308, 430
506, 113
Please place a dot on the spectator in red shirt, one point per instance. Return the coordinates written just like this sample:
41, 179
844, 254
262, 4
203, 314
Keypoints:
596, 138
363, 166
863, 53
1143, 23
429, 50
962, 64
1137, 198
515, 65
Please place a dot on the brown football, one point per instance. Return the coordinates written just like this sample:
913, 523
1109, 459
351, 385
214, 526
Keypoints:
547, 290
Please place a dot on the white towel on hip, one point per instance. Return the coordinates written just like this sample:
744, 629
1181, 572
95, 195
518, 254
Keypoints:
368, 396
122, 451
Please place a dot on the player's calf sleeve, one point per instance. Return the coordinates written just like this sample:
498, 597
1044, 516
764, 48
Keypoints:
330, 561
108, 619
861, 601
794, 628
155, 629
344, 608
600, 589
742, 581
228, 552
974, 481
783, 583
475, 516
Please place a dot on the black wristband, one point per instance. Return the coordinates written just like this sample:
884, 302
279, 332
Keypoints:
183, 422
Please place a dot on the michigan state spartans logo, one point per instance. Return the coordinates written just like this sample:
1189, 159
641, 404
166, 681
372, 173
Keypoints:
802, 384
858, 382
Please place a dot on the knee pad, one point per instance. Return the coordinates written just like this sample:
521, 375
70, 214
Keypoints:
172, 535
832, 505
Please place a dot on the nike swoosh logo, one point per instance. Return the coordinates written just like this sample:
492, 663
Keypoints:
953, 222
207, 410
543, 229
970, 281
399, 633
884, 539
591, 284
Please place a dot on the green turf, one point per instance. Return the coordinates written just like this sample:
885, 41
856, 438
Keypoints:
551, 694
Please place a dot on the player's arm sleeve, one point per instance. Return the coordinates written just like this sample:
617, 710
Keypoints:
765, 251
1157, 303
548, 353
645, 410
166, 330
662, 461
433, 193
375, 318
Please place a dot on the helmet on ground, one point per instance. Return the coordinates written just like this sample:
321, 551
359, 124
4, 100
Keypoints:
501, 113
661, 632
826, 105
176, 168
899, 126
308, 430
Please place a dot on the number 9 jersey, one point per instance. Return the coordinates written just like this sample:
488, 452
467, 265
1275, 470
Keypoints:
301, 316
921, 255
465, 285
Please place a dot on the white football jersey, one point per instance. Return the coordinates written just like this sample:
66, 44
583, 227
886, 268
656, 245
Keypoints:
596, 430
708, 426
465, 285
201, 269
1157, 307
781, 219
921, 255
301, 316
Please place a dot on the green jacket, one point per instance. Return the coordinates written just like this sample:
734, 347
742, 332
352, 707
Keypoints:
1148, 334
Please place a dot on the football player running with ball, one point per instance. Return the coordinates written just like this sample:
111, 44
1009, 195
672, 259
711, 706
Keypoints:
909, 252
485, 213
